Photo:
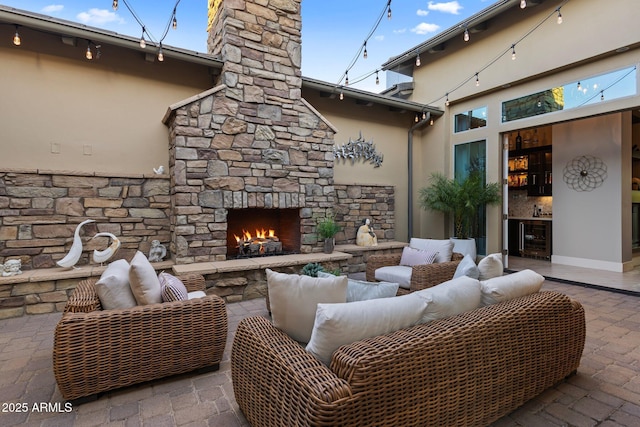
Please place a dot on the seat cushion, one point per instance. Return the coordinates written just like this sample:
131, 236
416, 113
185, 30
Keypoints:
360, 290
400, 274
294, 299
144, 282
509, 286
490, 266
113, 287
172, 288
443, 247
450, 298
411, 256
339, 324
467, 267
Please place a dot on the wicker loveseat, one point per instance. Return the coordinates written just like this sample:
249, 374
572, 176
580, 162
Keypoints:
97, 350
466, 370
422, 276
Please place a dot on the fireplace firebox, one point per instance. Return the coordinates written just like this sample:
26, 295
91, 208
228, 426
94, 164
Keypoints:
257, 232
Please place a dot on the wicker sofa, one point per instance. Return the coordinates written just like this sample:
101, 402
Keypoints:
422, 276
470, 369
98, 350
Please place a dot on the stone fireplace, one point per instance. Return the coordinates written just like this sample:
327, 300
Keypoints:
258, 232
251, 142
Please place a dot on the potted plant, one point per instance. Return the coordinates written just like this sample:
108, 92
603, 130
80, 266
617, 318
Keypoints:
461, 200
327, 229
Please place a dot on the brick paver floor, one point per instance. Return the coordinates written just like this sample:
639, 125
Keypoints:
605, 392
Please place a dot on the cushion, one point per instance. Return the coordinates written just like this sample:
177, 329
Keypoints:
196, 294
113, 286
443, 247
510, 286
172, 288
490, 266
467, 267
144, 282
294, 299
360, 290
340, 324
411, 256
450, 298
400, 274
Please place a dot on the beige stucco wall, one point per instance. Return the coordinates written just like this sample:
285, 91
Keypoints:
102, 115
549, 57
388, 131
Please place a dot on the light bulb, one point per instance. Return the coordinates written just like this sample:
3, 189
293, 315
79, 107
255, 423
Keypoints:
377, 79
389, 13
346, 79
143, 43
523, 4
446, 102
579, 86
418, 63
365, 54
424, 115
466, 35
559, 17
513, 52
88, 55
16, 38
477, 80
341, 96
175, 23
601, 95
160, 54
417, 118
115, 5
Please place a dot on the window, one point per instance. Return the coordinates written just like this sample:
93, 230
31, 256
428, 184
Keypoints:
613, 85
472, 119
470, 157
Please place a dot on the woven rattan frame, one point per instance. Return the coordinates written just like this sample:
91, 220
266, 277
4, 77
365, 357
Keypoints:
422, 276
466, 370
97, 350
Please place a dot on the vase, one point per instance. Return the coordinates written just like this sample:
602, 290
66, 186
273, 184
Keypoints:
329, 244
465, 247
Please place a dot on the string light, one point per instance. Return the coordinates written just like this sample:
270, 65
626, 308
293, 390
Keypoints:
389, 10
346, 78
377, 78
160, 54
341, 95
115, 5
88, 54
477, 80
418, 63
601, 95
143, 43
16, 38
559, 20
175, 23
431, 122
417, 119
523, 4
579, 86
446, 102
424, 115
365, 54
466, 34
513, 52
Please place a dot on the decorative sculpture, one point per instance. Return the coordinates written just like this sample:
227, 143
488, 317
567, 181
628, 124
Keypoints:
355, 150
585, 173
366, 235
159, 171
75, 252
11, 267
157, 252
102, 256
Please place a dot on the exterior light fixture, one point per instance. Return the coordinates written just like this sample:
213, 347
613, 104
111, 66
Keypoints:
16, 38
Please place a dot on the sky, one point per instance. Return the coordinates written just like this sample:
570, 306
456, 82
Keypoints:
333, 31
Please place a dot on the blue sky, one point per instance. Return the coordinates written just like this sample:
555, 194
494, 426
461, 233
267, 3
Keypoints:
332, 31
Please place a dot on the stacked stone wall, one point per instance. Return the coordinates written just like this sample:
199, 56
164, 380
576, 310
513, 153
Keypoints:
40, 211
357, 202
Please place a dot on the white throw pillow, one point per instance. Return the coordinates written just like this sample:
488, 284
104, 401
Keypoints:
144, 282
294, 299
509, 286
339, 324
490, 266
196, 294
467, 267
412, 256
400, 274
113, 287
443, 247
360, 290
450, 298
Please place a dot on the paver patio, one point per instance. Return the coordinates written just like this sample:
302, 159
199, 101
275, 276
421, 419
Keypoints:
605, 392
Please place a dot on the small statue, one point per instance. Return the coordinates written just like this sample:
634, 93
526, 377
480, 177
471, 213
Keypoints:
366, 236
11, 268
159, 171
157, 252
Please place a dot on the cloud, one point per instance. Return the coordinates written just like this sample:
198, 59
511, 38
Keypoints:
52, 8
400, 31
379, 38
452, 7
99, 17
422, 12
424, 28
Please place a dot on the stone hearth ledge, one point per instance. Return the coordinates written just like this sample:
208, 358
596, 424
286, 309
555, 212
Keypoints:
258, 263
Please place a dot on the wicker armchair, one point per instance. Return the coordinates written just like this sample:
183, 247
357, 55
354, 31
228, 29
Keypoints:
466, 370
97, 350
422, 276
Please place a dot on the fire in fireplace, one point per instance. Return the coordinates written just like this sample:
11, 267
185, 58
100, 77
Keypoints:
256, 232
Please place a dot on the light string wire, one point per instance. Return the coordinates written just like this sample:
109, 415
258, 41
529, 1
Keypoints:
601, 91
363, 45
145, 28
505, 51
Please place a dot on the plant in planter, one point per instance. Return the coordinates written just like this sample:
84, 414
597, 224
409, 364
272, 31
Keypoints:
327, 229
460, 199
312, 269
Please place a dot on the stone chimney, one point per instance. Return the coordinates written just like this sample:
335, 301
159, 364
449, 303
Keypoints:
251, 142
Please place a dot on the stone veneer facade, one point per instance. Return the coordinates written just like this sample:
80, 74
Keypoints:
252, 141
